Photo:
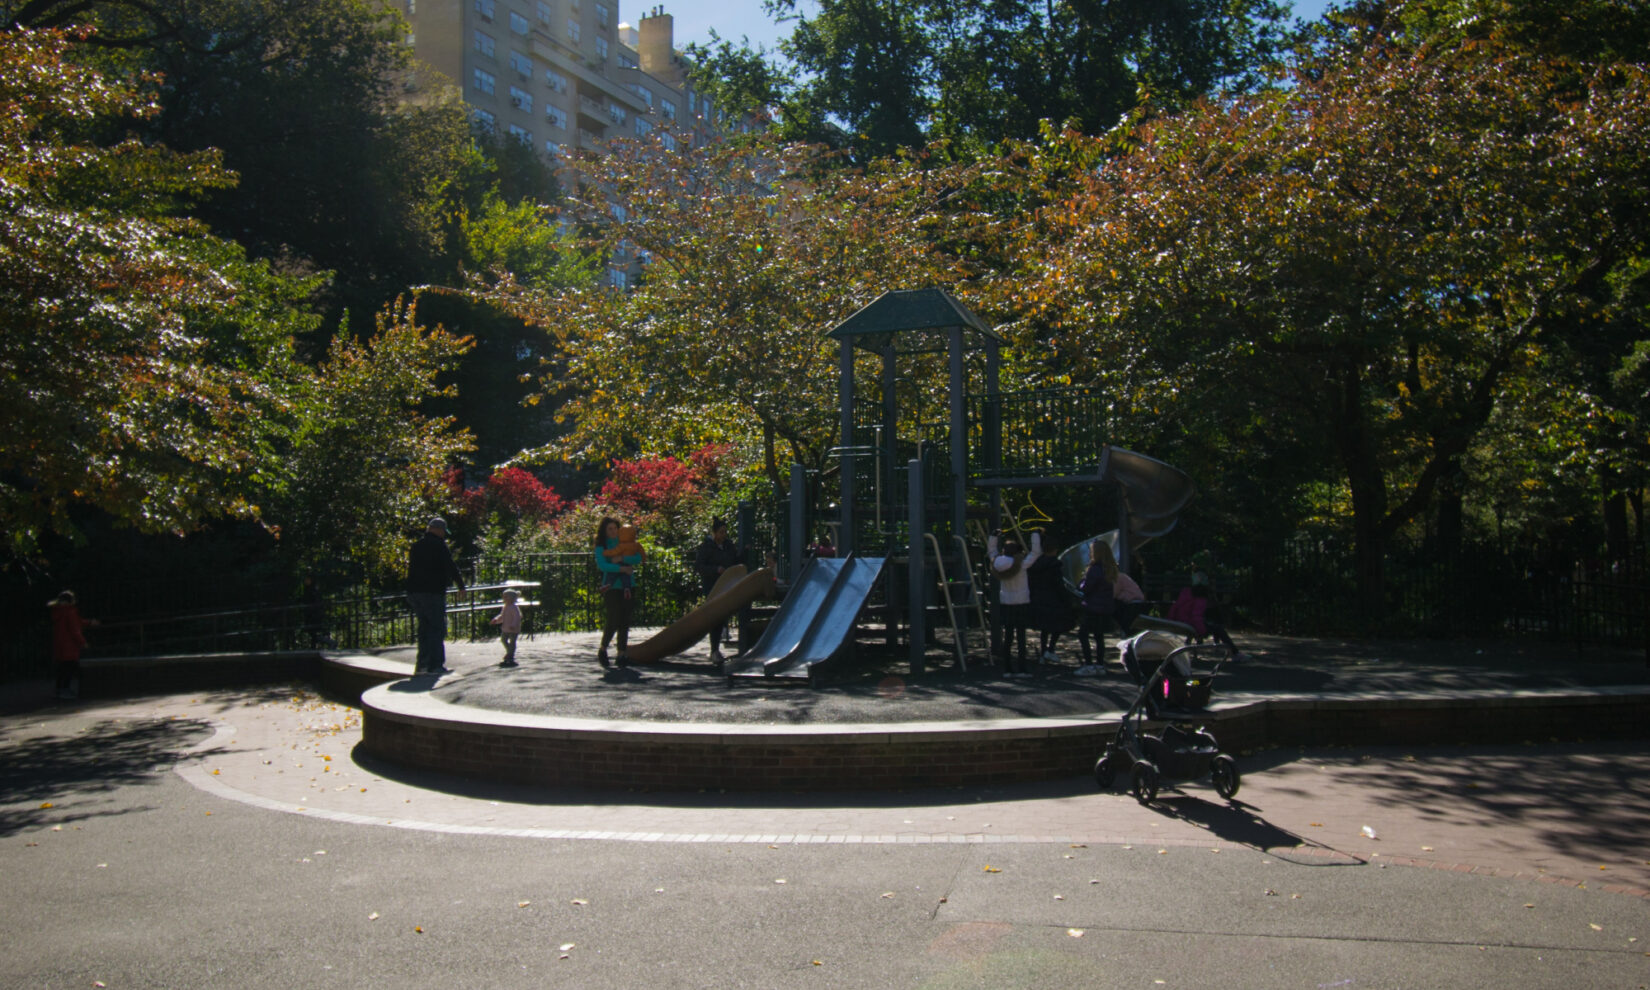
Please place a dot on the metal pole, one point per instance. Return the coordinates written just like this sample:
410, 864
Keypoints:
845, 395
916, 605
959, 432
799, 522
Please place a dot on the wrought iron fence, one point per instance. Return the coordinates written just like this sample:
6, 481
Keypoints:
1478, 590
567, 599
1301, 588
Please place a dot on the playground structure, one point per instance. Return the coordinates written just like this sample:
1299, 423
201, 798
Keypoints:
903, 508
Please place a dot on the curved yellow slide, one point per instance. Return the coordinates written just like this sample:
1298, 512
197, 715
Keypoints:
734, 590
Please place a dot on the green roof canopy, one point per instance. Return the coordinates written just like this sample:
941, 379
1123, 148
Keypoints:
913, 311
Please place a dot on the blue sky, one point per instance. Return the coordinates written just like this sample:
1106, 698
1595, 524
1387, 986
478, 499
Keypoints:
734, 19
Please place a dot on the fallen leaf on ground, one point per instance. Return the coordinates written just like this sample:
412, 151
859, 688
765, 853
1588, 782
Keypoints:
580, 901
566, 947
989, 869
1596, 928
1075, 932
373, 916
523, 903
887, 894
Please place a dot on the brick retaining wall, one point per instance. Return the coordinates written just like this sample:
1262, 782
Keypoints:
416, 730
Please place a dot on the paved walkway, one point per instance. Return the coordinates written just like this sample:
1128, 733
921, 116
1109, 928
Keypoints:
232, 838
1548, 808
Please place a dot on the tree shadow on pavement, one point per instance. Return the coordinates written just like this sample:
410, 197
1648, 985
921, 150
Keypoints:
53, 779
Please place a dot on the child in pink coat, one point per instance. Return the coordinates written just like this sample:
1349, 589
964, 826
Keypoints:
508, 621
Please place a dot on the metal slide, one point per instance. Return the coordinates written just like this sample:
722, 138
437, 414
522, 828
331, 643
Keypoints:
734, 590
814, 622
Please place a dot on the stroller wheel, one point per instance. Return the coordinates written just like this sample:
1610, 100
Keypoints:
1145, 782
1105, 773
1223, 772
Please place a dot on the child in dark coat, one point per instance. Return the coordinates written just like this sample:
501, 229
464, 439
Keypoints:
1051, 612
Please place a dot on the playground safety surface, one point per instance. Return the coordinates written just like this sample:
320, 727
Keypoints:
558, 676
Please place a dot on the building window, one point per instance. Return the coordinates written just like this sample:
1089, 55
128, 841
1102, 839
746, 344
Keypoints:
521, 99
625, 61
601, 47
485, 82
642, 126
485, 120
646, 95
693, 103
522, 64
710, 113
544, 13
412, 8
556, 116
555, 80
668, 140
601, 14
572, 30
618, 278
615, 113
521, 134
484, 44
484, 8
667, 109
518, 23
552, 149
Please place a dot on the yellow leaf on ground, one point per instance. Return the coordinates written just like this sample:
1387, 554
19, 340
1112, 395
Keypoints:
990, 869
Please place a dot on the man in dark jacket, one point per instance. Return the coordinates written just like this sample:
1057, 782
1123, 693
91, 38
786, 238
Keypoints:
430, 569
711, 560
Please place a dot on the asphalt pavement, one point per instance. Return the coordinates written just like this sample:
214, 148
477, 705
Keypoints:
233, 839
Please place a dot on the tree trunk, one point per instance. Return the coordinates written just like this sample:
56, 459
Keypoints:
1450, 528
1368, 488
1617, 539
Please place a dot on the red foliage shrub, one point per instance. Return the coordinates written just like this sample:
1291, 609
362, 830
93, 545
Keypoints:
516, 491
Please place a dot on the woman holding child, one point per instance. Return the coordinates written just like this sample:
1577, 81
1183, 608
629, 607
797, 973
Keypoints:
618, 597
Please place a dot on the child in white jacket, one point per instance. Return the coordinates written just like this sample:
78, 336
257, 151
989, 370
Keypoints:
508, 621
1013, 596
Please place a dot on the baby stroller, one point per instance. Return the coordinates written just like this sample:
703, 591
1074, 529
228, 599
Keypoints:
1175, 686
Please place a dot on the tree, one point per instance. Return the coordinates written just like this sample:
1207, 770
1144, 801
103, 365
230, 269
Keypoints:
748, 254
303, 99
362, 466
899, 72
1382, 260
139, 356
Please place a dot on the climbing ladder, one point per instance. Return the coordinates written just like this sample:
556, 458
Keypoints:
964, 589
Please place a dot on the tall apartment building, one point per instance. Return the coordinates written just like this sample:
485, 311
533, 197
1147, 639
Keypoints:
561, 75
